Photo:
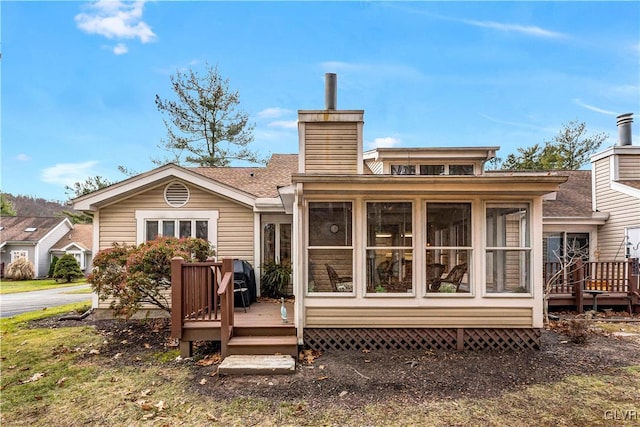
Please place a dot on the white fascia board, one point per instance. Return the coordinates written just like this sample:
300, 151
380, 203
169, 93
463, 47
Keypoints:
270, 204
573, 220
633, 192
88, 203
616, 149
65, 221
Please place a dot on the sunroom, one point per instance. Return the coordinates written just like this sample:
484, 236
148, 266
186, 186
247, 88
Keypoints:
420, 251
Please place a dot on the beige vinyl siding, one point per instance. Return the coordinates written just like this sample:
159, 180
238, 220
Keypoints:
331, 147
376, 167
235, 222
413, 317
629, 167
624, 212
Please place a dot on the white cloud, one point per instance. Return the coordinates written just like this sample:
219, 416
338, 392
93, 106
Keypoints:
579, 102
285, 124
530, 30
115, 20
120, 49
385, 142
22, 157
68, 173
273, 113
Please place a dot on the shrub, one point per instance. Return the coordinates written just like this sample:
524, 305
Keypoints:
135, 275
20, 269
52, 267
67, 269
275, 279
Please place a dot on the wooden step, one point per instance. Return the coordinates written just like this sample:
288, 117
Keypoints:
268, 344
257, 365
270, 330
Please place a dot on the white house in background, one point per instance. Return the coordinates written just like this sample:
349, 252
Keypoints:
31, 238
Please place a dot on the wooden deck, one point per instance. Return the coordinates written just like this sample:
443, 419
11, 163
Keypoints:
605, 283
202, 296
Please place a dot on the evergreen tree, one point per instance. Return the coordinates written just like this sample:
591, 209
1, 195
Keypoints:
67, 269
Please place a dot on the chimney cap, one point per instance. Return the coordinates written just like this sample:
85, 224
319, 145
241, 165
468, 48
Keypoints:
625, 118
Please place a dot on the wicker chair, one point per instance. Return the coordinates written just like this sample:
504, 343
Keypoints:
339, 283
454, 277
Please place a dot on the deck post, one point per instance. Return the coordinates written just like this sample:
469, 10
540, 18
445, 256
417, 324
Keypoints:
176, 297
226, 306
633, 273
578, 284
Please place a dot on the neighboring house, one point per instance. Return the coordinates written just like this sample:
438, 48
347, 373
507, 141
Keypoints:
375, 238
598, 209
31, 238
77, 242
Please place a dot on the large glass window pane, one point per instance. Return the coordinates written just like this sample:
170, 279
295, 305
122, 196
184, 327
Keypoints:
389, 247
508, 226
269, 247
185, 229
151, 230
169, 228
448, 251
403, 170
431, 169
330, 224
285, 243
508, 271
460, 169
330, 270
202, 230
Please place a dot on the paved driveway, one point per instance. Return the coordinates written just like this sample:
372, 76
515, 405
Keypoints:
23, 302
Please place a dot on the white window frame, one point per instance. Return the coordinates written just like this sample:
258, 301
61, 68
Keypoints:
352, 248
79, 256
528, 250
402, 249
142, 216
19, 253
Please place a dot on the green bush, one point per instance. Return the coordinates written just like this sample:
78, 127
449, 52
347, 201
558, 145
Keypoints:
20, 269
52, 267
67, 269
275, 279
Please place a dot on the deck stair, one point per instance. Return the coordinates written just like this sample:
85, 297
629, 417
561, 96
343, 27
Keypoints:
264, 340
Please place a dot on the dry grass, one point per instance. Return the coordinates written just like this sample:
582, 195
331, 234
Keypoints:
82, 387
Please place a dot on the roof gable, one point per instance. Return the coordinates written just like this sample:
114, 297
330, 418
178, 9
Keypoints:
81, 236
14, 228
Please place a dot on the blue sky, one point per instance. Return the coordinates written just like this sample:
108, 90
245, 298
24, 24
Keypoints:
79, 78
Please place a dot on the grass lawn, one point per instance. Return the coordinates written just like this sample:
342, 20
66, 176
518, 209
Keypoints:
14, 286
57, 376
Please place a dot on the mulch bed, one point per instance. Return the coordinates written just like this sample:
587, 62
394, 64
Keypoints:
357, 378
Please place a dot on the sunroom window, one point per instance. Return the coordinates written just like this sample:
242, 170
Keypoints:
508, 248
448, 250
403, 169
330, 248
389, 247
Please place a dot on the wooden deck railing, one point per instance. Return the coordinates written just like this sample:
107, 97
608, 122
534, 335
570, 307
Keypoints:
609, 276
201, 292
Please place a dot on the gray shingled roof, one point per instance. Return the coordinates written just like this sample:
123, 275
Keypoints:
573, 198
13, 228
258, 181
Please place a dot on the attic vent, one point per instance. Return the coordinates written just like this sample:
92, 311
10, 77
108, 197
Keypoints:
176, 194
30, 229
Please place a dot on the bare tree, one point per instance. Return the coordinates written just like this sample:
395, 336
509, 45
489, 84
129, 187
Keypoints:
570, 260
